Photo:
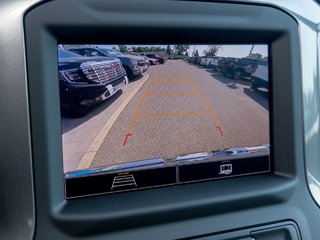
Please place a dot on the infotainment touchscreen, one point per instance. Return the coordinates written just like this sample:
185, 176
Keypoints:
145, 116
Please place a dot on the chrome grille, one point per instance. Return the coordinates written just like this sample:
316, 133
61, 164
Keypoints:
102, 72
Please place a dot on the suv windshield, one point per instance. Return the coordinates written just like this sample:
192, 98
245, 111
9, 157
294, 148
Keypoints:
67, 54
111, 52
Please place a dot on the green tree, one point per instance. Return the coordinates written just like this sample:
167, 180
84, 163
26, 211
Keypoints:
139, 49
123, 48
146, 49
169, 50
255, 55
196, 53
212, 50
181, 49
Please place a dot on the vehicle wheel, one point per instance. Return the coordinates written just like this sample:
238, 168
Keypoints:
237, 75
129, 73
73, 110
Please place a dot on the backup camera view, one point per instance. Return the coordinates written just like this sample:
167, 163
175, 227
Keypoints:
126, 106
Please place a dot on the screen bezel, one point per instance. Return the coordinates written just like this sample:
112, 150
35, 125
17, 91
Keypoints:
267, 25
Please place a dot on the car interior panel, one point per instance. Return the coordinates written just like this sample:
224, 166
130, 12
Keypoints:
160, 119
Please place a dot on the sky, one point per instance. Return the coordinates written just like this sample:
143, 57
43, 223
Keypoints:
233, 50
225, 50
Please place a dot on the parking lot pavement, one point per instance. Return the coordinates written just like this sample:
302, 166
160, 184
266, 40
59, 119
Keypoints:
184, 108
79, 133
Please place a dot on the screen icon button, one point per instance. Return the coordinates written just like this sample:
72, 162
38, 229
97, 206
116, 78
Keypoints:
123, 180
225, 169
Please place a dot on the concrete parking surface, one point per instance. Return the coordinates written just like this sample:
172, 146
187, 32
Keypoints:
182, 108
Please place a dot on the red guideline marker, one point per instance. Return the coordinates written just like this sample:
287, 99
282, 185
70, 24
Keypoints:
220, 129
126, 139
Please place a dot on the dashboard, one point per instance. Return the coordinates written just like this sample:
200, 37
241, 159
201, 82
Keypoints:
159, 119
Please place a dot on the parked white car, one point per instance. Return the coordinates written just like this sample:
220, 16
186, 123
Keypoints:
202, 61
260, 78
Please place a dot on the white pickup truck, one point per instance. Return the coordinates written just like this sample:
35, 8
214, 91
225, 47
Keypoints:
211, 62
214, 63
260, 78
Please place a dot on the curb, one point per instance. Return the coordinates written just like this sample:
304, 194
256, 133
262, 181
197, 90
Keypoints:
88, 157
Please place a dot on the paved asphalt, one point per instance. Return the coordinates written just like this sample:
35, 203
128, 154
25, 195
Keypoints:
184, 108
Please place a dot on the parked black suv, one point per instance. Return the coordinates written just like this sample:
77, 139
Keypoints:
85, 81
241, 68
134, 66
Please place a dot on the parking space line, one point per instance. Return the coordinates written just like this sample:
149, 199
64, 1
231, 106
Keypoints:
150, 94
170, 114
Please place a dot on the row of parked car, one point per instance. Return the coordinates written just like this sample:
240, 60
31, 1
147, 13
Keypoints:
89, 75
255, 70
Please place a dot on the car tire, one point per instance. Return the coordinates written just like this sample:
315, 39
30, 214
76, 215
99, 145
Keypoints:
73, 110
254, 86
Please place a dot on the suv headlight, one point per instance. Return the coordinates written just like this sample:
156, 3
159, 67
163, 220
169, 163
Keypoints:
72, 76
134, 63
